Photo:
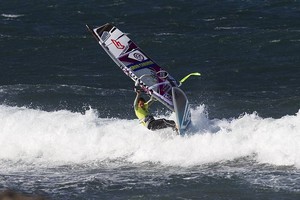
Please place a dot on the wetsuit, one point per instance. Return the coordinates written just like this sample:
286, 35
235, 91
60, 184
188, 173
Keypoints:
148, 120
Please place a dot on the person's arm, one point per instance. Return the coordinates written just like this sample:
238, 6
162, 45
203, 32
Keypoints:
135, 104
151, 101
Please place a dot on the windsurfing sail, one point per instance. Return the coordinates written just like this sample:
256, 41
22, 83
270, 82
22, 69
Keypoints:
146, 73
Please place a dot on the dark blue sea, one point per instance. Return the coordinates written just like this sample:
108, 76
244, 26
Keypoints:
67, 125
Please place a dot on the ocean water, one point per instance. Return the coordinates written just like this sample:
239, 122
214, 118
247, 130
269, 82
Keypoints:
67, 126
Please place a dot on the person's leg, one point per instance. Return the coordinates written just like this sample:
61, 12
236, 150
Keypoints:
157, 124
170, 123
161, 123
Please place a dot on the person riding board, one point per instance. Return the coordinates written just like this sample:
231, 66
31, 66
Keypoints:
141, 108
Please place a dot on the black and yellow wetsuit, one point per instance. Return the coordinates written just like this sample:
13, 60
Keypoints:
148, 120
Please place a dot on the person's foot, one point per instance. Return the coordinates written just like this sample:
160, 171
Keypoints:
176, 129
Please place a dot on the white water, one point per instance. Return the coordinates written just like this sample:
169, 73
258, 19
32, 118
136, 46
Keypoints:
11, 15
63, 137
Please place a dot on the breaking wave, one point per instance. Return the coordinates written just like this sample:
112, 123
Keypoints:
63, 137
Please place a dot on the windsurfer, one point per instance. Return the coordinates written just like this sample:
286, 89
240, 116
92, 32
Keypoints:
141, 108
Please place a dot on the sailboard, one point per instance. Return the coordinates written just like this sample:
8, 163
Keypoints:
152, 79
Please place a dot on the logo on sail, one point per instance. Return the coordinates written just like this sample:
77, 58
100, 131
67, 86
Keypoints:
137, 55
118, 44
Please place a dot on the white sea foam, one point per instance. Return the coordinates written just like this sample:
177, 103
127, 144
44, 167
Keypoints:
11, 15
62, 136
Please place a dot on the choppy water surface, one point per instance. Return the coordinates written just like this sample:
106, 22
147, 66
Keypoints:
67, 128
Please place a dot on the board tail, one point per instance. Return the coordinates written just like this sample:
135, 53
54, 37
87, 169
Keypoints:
182, 109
